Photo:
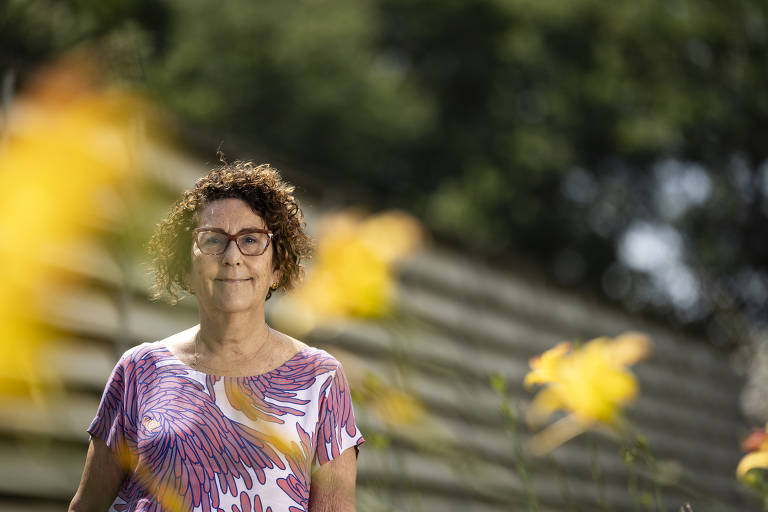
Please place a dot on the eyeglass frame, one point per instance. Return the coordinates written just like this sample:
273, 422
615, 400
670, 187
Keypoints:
232, 238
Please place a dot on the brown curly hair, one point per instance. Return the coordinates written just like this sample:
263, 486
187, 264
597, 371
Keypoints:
265, 191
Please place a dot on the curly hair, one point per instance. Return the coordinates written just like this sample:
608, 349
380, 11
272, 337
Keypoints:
265, 191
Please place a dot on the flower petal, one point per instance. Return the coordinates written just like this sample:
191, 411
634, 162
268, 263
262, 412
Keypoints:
544, 367
752, 461
544, 404
556, 434
630, 347
755, 441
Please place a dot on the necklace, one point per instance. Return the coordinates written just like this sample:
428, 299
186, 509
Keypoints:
196, 361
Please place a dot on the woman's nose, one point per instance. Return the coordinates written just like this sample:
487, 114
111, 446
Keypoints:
232, 254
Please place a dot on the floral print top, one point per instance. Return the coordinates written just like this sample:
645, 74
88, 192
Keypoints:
195, 441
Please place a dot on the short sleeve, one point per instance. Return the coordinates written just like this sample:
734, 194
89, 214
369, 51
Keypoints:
111, 423
336, 428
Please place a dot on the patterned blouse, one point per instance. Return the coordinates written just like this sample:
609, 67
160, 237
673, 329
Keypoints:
195, 441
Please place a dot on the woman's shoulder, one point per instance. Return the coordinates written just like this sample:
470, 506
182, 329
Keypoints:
178, 339
142, 352
289, 341
320, 356
297, 347
162, 346
308, 356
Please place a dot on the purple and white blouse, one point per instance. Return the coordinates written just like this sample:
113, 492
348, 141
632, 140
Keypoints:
195, 441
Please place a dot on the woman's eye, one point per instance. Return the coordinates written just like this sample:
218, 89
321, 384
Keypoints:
249, 240
211, 242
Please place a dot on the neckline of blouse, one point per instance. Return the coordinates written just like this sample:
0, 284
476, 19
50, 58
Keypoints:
250, 376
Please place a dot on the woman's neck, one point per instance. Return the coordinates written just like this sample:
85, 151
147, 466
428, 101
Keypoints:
233, 336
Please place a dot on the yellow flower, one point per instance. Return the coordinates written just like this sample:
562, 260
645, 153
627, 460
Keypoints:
544, 367
398, 408
391, 234
591, 383
350, 277
66, 140
757, 444
751, 461
352, 273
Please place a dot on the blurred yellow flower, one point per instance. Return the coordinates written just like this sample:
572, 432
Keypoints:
65, 141
591, 383
397, 408
352, 273
266, 427
757, 445
394, 406
544, 367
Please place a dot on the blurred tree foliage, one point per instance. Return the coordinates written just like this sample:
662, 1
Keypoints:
123, 31
550, 131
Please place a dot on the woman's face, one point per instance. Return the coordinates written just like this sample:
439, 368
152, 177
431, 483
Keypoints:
231, 282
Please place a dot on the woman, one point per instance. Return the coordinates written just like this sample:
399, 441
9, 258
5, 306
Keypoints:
230, 414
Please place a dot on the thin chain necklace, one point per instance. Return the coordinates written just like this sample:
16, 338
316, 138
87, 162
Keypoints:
196, 363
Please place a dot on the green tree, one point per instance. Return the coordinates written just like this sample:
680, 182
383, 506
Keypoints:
552, 132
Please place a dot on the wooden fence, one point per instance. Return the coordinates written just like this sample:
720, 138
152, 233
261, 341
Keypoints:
458, 324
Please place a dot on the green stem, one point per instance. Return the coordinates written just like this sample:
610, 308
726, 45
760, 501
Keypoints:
565, 487
597, 476
629, 460
513, 428
514, 423
650, 460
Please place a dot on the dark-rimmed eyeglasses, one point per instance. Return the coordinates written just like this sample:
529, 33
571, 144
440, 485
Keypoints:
250, 242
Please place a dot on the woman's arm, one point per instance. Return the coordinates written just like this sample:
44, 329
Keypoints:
102, 477
333, 484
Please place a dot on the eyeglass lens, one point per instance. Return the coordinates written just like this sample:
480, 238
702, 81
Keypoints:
251, 244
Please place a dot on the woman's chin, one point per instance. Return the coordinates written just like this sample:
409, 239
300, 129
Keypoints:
232, 308
233, 304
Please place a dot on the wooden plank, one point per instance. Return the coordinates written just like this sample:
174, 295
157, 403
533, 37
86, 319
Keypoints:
443, 369
62, 416
49, 471
27, 505
522, 342
74, 362
448, 274
483, 482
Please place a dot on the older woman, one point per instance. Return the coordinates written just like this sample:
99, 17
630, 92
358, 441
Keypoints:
231, 414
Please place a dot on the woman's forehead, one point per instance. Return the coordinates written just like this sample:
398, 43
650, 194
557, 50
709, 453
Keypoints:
229, 213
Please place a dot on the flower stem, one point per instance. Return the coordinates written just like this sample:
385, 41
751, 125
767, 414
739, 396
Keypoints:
650, 460
512, 424
629, 459
597, 476
565, 488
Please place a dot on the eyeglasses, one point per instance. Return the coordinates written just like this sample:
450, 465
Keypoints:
251, 242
